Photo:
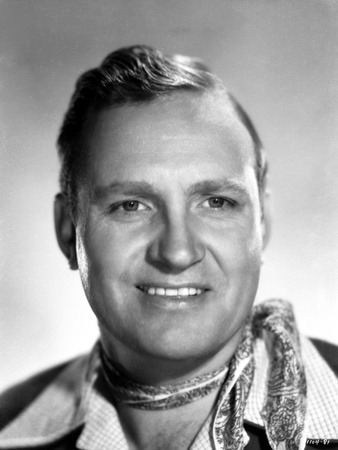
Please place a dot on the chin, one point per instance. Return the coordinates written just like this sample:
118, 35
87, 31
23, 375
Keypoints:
182, 346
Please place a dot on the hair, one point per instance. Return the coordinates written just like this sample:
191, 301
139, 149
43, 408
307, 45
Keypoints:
132, 75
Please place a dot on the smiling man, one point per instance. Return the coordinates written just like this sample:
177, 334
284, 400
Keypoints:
163, 210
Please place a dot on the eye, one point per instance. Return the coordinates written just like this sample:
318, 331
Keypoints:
218, 203
128, 206
132, 205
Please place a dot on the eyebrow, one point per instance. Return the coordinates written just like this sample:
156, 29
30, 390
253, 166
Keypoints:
143, 187
218, 186
127, 187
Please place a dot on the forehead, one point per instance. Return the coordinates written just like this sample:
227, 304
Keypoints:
172, 134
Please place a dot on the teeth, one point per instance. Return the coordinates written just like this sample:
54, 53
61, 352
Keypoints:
181, 292
171, 292
159, 291
184, 292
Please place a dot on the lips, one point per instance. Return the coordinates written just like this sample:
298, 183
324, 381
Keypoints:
172, 292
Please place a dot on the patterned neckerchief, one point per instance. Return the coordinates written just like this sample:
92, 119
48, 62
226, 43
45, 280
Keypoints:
157, 398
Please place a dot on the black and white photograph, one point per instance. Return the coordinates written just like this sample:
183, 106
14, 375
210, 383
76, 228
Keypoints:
169, 217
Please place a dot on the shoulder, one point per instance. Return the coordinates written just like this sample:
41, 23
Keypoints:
18, 397
59, 386
328, 351
48, 408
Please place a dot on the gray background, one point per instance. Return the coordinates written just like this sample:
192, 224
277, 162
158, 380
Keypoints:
280, 58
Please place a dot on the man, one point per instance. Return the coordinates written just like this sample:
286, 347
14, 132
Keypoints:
163, 210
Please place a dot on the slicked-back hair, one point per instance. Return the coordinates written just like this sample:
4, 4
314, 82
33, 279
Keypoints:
134, 75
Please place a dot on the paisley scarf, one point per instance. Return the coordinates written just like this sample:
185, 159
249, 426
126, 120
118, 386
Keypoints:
155, 398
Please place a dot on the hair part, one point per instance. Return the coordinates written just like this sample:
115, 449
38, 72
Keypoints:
134, 74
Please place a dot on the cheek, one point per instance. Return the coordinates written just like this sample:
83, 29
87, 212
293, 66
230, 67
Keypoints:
98, 261
107, 256
237, 248
238, 255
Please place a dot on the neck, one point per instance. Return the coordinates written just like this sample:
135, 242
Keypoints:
161, 371
170, 429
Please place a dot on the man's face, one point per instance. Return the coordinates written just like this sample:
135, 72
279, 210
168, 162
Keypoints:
169, 233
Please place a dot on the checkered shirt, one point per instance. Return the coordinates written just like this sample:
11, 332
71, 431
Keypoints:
103, 430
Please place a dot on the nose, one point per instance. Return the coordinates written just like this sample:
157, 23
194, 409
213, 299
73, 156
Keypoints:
177, 246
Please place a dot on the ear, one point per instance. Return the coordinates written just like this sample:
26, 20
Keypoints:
266, 217
65, 230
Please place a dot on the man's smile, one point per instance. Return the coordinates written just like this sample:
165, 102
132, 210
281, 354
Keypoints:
172, 292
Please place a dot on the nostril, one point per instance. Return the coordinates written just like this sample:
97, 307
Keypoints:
176, 248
